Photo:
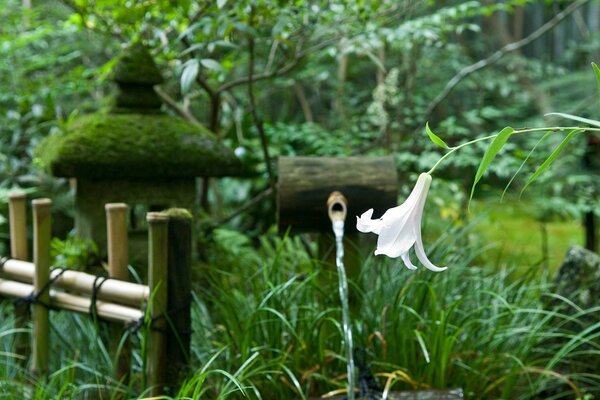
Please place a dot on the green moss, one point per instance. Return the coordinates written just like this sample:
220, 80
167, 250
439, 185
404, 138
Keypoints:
137, 97
136, 65
178, 213
135, 146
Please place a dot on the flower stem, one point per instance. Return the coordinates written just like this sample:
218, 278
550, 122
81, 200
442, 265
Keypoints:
524, 130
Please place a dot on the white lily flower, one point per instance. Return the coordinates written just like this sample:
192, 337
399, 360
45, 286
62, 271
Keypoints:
400, 227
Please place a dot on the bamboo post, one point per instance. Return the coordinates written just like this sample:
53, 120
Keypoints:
116, 226
41, 259
179, 250
157, 282
17, 211
118, 260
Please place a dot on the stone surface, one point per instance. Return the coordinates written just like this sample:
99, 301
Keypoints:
141, 196
578, 278
434, 394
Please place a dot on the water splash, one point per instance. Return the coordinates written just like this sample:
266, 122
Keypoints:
337, 213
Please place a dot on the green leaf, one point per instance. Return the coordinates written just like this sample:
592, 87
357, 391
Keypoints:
209, 63
221, 3
489, 155
578, 119
551, 158
597, 73
190, 72
435, 138
524, 162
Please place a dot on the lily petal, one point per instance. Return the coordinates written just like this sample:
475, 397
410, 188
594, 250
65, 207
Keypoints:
396, 240
423, 257
407, 262
365, 224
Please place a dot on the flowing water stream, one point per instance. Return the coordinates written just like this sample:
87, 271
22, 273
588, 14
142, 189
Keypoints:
337, 214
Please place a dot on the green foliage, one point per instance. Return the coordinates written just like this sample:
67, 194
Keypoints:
73, 253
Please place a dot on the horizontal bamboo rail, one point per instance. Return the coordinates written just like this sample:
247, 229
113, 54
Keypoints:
66, 301
113, 290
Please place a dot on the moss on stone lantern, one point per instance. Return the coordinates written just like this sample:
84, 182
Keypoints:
133, 153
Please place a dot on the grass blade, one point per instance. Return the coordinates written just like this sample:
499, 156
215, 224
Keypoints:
422, 345
587, 121
597, 74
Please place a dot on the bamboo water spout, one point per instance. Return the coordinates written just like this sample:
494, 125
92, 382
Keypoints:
337, 207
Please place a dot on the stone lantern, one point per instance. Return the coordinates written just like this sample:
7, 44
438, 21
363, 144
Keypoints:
133, 153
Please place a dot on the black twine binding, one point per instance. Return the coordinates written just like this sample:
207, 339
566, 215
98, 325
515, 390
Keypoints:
137, 325
34, 298
94, 297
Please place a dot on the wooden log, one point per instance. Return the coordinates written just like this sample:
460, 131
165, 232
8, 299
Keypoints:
41, 259
118, 261
306, 182
179, 249
113, 290
157, 306
70, 302
17, 211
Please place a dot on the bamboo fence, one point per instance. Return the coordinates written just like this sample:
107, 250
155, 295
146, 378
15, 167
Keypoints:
110, 298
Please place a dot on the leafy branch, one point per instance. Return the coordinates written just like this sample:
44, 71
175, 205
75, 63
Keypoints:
499, 140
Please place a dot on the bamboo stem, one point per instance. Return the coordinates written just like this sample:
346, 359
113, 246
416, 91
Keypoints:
157, 282
70, 302
116, 227
116, 291
179, 249
41, 259
17, 210
118, 260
